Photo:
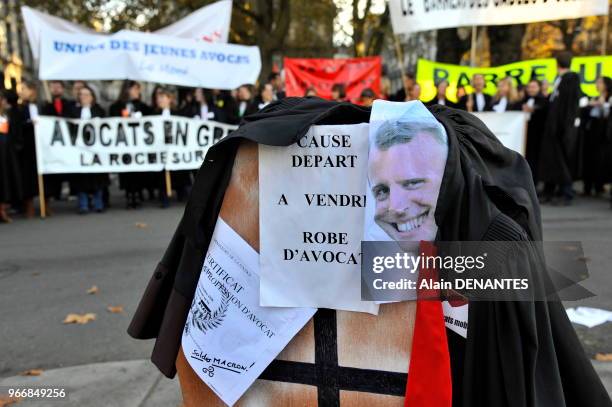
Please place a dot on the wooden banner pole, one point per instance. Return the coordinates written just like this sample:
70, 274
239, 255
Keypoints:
46, 91
400, 60
41, 182
604, 39
41, 197
168, 184
473, 47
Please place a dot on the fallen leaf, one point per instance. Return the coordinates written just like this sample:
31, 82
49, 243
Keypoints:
583, 259
570, 248
80, 319
93, 290
31, 372
141, 225
8, 401
604, 357
117, 309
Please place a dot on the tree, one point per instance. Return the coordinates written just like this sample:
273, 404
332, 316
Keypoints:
364, 32
451, 46
505, 43
266, 24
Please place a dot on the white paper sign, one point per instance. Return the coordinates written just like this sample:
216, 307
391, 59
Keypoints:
311, 203
229, 339
508, 127
456, 317
148, 143
147, 57
418, 15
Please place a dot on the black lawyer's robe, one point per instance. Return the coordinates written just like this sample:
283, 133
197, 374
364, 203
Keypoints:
87, 182
535, 131
463, 102
560, 153
515, 355
53, 182
11, 143
434, 101
27, 155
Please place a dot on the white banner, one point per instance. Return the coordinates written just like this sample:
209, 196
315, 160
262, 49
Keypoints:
210, 23
149, 143
311, 206
419, 15
509, 127
147, 57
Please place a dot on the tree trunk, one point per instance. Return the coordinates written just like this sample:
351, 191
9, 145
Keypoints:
505, 43
377, 38
450, 46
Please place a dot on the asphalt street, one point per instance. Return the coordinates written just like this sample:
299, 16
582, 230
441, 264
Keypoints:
47, 266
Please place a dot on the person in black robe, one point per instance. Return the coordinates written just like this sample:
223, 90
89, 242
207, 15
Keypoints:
28, 113
180, 179
246, 102
477, 101
440, 98
408, 81
367, 97
506, 97
225, 104
560, 152
536, 105
202, 107
10, 144
265, 96
276, 81
58, 106
130, 104
338, 92
594, 118
606, 150
88, 184
516, 354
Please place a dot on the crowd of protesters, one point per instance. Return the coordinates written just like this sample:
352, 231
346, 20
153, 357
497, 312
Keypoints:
591, 150
18, 112
569, 136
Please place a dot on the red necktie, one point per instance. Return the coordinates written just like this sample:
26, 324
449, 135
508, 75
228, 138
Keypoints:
429, 378
57, 104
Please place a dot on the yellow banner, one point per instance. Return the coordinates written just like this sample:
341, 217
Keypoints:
430, 72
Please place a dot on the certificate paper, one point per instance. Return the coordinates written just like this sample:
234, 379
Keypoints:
228, 338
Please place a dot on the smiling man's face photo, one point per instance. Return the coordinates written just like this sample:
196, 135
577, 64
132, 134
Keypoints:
405, 168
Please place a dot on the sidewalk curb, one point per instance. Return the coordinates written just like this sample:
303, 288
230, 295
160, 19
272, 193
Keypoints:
134, 383
137, 383
604, 370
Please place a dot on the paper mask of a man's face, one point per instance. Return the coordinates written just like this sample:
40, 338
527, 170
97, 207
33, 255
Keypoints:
405, 168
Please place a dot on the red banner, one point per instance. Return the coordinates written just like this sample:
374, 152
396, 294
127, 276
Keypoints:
356, 74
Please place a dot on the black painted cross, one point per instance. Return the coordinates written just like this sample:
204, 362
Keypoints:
327, 375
